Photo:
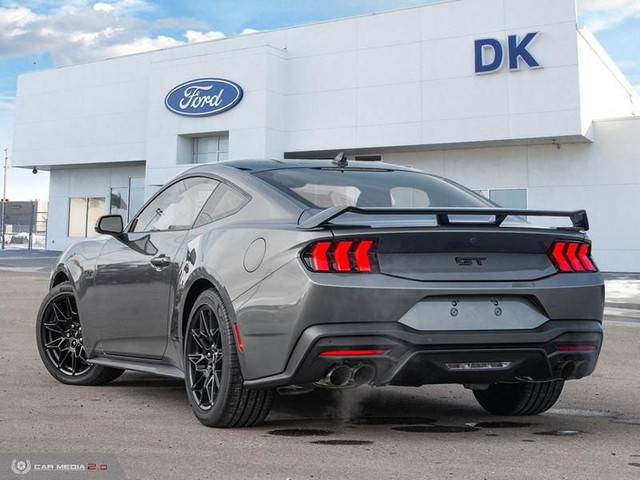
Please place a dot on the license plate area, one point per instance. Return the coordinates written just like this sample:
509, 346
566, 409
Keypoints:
473, 313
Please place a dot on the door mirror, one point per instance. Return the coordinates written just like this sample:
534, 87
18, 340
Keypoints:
110, 225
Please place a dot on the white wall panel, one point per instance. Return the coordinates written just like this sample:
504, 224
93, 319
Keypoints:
406, 61
519, 14
463, 17
335, 71
392, 28
389, 104
321, 38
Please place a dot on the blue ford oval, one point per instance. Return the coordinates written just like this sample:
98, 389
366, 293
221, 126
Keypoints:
204, 96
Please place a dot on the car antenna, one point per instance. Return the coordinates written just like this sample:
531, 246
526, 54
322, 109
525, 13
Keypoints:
341, 160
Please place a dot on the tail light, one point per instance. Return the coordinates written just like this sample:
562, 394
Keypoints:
344, 256
572, 257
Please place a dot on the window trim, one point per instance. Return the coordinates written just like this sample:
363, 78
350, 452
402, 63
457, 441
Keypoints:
217, 135
86, 214
208, 176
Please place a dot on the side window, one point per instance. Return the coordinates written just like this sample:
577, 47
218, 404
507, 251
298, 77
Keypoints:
176, 207
225, 201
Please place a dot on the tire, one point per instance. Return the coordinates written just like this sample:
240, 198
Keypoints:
60, 344
519, 398
218, 398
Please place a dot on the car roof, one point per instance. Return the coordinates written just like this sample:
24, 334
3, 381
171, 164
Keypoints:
270, 164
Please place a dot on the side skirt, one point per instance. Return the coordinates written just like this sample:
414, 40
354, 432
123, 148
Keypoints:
139, 366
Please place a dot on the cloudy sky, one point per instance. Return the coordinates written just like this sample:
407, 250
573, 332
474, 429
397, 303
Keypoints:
36, 34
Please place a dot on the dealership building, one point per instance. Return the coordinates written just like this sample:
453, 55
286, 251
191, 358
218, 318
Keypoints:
508, 97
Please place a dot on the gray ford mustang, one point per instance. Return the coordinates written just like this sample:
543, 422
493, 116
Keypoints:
251, 276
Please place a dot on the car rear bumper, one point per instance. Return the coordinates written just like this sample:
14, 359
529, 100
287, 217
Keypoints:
287, 313
412, 357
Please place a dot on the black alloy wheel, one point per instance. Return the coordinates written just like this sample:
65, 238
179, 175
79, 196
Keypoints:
62, 336
61, 344
213, 377
204, 351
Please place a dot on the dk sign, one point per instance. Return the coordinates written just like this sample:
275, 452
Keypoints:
491, 54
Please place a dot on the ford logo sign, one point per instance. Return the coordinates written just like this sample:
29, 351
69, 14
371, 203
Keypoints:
204, 96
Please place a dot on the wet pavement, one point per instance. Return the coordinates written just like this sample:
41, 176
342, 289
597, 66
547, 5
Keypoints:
365, 433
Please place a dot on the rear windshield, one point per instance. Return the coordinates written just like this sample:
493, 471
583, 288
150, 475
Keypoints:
333, 187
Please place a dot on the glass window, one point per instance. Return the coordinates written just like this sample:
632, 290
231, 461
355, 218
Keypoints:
371, 187
77, 217
119, 199
211, 149
176, 207
405, 197
509, 197
83, 215
225, 201
95, 209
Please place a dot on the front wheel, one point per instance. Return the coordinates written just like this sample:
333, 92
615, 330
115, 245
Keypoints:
213, 378
519, 398
60, 341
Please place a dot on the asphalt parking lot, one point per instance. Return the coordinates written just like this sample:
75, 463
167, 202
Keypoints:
368, 433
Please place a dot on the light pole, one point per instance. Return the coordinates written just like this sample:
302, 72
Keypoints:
4, 193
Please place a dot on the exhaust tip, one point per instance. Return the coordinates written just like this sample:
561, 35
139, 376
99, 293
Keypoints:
364, 374
339, 376
568, 370
581, 369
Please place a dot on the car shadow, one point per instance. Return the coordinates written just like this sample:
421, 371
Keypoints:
320, 405
368, 405
428, 410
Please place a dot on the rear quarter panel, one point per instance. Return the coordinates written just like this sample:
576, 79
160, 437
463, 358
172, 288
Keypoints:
237, 253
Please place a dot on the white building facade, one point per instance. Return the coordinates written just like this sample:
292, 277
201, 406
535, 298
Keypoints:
510, 98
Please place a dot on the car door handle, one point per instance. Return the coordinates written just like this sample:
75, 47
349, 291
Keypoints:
161, 261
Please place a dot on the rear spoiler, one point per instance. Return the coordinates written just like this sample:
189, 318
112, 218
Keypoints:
321, 219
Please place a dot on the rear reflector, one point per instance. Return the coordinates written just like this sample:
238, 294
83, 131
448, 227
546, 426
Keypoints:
344, 256
350, 353
572, 257
576, 348
238, 337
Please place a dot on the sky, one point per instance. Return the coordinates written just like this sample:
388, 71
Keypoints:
38, 34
